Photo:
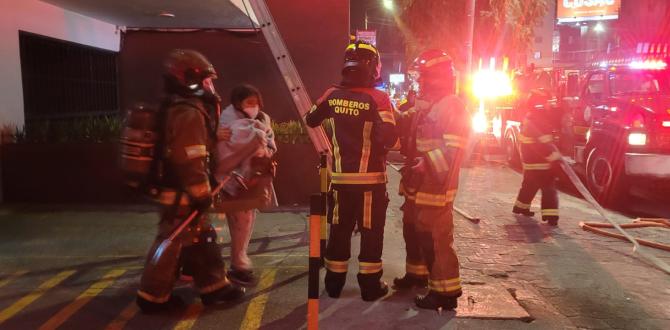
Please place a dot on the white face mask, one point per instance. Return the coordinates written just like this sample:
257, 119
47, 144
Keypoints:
252, 111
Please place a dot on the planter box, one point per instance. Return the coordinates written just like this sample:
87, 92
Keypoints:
88, 173
62, 173
297, 173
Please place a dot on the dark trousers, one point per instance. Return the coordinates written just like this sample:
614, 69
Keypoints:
367, 210
415, 262
196, 249
435, 233
533, 181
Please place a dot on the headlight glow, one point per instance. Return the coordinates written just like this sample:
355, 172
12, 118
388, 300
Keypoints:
637, 139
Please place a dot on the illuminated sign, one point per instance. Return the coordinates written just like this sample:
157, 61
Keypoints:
587, 10
397, 78
368, 36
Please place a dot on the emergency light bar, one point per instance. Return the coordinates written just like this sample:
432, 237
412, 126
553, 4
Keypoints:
648, 65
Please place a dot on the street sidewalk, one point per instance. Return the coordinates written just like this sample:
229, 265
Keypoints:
564, 278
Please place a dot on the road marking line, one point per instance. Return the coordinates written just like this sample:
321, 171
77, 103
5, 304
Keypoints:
254, 316
12, 277
83, 299
126, 315
190, 316
34, 295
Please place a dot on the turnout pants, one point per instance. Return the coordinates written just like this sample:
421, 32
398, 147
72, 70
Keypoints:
534, 180
240, 224
415, 262
435, 235
195, 248
367, 210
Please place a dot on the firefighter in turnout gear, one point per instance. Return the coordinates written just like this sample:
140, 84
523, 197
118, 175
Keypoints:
362, 130
416, 271
439, 134
190, 113
539, 156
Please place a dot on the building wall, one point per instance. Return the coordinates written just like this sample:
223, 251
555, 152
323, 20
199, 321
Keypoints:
315, 32
541, 44
40, 18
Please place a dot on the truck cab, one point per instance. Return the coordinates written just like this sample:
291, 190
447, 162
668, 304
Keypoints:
617, 129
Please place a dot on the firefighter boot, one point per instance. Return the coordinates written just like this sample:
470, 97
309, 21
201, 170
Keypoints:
409, 281
172, 305
334, 283
372, 288
526, 212
434, 300
227, 294
551, 220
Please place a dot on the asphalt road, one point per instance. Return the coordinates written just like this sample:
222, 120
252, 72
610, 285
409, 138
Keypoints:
78, 268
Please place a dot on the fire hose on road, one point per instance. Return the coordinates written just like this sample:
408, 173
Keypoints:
624, 235
594, 227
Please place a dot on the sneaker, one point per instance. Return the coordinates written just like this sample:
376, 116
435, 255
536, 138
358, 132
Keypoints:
243, 277
374, 294
172, 305
408, 282
228, 294
518, 210
436, 301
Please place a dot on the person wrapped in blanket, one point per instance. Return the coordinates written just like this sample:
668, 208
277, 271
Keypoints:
244, 150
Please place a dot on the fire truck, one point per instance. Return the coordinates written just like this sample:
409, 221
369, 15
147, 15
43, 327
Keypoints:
614, 123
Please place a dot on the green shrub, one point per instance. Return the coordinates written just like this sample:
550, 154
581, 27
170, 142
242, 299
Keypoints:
84, 129
290, 132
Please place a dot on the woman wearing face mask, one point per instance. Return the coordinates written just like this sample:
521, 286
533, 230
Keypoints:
245, 137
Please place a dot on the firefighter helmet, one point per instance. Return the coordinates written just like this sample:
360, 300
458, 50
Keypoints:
435, 71
188, 69
362, 57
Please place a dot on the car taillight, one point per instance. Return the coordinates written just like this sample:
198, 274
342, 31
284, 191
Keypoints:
637, 121
666, 124
637, 139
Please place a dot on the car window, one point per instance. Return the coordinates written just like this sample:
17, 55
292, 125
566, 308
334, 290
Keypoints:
633, 82
595, 87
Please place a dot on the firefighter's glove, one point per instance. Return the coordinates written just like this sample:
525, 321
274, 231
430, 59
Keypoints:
202, 204
554, 157
419, 166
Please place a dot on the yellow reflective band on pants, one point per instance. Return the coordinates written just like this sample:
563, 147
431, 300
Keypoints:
199, 190
439, 162
423, 198
168, 197
367, 210
336, 266
419, 270
522, 205
151, 298
369, 267
358, 178
534, 167
454, 141
426, 145
550, 212
445, 286
546, 138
